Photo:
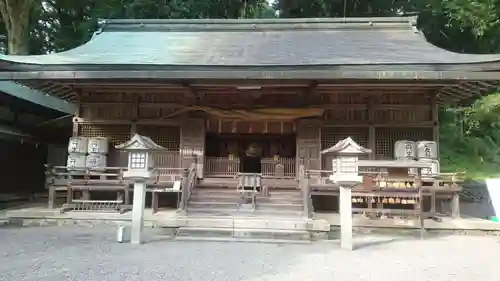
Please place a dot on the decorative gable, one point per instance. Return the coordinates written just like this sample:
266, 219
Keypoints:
139, 142
346, 146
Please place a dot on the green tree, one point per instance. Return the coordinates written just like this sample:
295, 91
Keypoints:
16, 17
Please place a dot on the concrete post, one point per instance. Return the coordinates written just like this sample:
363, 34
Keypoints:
345, 210
138, 212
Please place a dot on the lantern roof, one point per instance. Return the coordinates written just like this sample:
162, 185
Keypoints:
346, 146
139, 142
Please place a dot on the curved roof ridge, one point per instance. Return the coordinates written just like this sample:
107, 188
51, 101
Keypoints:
141, 25
404, 19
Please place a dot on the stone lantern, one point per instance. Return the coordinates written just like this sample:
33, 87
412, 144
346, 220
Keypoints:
345, 173
140, 163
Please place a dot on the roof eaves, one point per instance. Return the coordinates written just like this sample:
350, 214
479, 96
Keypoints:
37, 97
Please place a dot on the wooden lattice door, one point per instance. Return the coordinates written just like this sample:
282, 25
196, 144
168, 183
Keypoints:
309, 144
193, 142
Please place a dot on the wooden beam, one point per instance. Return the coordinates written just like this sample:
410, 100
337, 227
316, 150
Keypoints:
165, 122
37, 97
394, 124
139, 105
308, 95
190, 93
412, 84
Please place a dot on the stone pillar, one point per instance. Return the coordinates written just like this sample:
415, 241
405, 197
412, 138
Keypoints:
345, 210
138, 212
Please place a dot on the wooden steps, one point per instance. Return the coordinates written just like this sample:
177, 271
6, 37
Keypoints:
219, 214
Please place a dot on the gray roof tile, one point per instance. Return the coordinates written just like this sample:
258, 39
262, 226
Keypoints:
282, 42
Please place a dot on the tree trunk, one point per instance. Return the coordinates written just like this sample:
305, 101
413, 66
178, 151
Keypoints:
16, 16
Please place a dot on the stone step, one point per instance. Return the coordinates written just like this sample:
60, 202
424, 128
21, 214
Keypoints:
244, 212
248, 233
251, 223
241, 239
213, 204
280, 206
285, 194
204, 190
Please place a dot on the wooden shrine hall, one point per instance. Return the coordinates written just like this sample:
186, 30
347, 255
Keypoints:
206, 90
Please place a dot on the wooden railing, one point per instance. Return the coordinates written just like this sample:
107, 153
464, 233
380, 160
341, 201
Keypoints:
269, 166
86, 180
187, 186
169, 159
221, 166
225, 167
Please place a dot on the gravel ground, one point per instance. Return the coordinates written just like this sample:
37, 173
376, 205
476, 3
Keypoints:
90, 254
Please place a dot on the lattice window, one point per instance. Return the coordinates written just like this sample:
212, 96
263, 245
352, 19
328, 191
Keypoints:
385, 138
138, 160
347, 115
331, 135
404, 99
116, 134
403, 115
166, 136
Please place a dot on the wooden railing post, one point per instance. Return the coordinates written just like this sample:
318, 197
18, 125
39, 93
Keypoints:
49, 184
184, 190
306, 192
193, 177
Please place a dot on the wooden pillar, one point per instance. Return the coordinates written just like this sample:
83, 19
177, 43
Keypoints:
75, 133
193, 141
435, 121
75, 122
435, 138
135, 115
133, 128
371, 126
309, 144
